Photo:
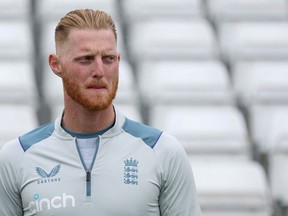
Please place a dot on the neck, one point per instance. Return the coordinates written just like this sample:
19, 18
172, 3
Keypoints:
86, 121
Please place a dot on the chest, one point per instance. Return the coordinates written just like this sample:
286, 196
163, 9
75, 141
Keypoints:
120, 182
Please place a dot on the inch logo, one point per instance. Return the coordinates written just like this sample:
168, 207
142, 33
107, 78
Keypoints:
46, 204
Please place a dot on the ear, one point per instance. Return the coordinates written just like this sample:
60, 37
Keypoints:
55, 64
118, 56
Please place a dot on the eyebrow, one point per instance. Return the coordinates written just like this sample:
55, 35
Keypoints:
91, 54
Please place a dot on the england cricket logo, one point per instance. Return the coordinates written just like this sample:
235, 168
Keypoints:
131, 171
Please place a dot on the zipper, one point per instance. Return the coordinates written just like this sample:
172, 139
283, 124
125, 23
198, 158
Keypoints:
88, 171
88, 183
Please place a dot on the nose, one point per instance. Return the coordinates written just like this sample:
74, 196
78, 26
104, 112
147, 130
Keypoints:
97, 68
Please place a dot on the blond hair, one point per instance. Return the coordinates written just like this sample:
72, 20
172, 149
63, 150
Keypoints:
83, 19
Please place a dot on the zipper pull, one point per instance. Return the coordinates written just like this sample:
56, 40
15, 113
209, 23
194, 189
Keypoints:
88, 175
88, 183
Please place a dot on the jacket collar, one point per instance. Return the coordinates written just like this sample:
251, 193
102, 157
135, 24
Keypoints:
116, 129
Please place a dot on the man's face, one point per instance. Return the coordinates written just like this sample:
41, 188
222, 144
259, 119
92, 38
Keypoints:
89, 67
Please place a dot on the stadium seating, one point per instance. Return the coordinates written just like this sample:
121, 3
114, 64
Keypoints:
278, 162
16, 42
264, 118
269, 127
157, 39
17, 84
184, 82
140, 10
276, 142
127, 88
16, 120
211, 72
261, 82
253, 40
14, 9
52, 87
229, 187
131, 111
205, 130
239, 10
54, 10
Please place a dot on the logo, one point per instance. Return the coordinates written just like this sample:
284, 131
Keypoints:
45, 204
131, 171
48, 177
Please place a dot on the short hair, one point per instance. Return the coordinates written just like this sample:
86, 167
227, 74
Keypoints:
83, 19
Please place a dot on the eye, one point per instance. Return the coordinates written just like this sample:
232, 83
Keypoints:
108, 59
85, 59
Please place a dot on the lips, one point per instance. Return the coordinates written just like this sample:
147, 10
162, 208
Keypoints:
96, 87
99, 85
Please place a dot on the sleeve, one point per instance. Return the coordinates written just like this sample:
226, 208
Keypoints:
10, 199
178, 193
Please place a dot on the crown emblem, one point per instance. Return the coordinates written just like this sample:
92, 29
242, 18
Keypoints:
131, 162
131, 171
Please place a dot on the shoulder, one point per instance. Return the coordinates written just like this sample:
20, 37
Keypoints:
148, 134
24, 142
153, 137
171, 155
169, 145
163, 144
11, 155
37, 135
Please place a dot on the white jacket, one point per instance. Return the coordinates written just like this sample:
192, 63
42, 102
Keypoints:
137, 171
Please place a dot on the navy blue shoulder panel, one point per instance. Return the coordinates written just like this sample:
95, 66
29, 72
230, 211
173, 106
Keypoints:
148, 134
36, 135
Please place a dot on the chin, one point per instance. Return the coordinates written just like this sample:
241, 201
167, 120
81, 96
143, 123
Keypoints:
96, 106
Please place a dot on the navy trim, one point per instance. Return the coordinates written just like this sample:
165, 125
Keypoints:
148, 134
36, 135
88, 135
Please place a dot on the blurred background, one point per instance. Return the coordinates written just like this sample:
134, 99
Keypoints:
214, 73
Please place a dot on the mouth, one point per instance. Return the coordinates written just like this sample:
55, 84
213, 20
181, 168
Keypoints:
97, 86
98, 89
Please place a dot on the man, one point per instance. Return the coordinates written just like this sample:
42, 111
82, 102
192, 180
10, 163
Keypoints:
92, 160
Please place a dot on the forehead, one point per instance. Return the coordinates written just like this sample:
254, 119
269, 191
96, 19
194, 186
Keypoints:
89, 39
84, 33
